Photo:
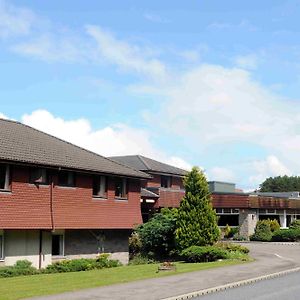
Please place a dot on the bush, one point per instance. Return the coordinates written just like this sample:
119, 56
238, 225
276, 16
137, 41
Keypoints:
197, 222
196, 254
135, 245
141, 260
82, 264
21, 267
274, 225
295, 224
286, 235
229, 232
231, 247
157, 236
262, 232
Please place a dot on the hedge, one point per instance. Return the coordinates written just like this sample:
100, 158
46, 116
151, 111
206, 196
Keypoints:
196, 254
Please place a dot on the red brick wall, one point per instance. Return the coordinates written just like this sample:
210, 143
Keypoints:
76, 208
177, 183
28, 206
155, 181
169, 198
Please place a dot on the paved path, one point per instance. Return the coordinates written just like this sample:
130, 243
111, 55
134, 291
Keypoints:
269, 257
286, 287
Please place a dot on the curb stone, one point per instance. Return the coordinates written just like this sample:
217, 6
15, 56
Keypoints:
231, 285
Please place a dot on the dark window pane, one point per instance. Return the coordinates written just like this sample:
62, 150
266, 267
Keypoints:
231, 220
2, 176
96, 185
66, 178
39, 176
57, 244
120, 187
165, 181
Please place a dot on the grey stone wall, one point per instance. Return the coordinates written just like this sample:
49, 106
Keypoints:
247, 222
88, 243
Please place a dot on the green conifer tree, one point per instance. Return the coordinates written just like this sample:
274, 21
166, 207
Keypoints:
197, 221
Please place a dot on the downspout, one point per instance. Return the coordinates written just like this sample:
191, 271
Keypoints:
41, 249
51, 202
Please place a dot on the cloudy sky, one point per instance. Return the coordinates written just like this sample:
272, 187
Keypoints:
208, 83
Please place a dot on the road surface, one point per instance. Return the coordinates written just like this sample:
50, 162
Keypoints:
280, 288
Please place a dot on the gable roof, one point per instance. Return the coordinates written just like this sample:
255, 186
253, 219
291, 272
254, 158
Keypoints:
146, 164
24, 144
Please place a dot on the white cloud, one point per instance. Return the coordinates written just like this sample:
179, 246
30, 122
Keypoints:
52, 48
155, 18
14, 21
210, 105
271, 166
3, 116
124, 55
96, 45
221, 174
117, 139
179, 163
249, 61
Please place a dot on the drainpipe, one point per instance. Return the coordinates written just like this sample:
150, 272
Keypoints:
51, 201
41, 249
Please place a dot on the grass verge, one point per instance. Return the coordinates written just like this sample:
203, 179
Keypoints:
47, 284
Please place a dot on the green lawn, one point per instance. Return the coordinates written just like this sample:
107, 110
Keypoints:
37, 285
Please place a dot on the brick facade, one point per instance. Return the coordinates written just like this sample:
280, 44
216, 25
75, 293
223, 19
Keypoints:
28, 206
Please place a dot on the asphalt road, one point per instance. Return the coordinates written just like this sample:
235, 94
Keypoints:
285, 287
269, 258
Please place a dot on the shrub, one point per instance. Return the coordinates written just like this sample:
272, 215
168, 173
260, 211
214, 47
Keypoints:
157, 236
231, 247
262, 232
238, 237
227, 231
274, 225
135, 245
197, 222
196, 254
141, 260
286, 235
21, 267
82, 264
295, 224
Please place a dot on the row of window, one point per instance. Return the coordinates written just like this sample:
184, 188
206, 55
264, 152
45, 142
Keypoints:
66, 178
57, 244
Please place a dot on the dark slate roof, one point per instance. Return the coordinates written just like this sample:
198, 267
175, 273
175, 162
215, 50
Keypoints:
148, 194
146, 164
22, 143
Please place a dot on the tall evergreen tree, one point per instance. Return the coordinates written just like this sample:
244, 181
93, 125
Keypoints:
196, 221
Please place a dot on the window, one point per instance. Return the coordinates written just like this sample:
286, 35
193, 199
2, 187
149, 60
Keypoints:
121, 188
166, 181
58, 244
39, 176
1, 245
4, 177
66, 178
100, 186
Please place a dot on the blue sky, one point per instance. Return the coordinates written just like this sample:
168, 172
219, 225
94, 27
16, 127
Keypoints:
208, 83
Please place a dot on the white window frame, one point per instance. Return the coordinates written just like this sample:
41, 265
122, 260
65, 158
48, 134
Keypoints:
233, 211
